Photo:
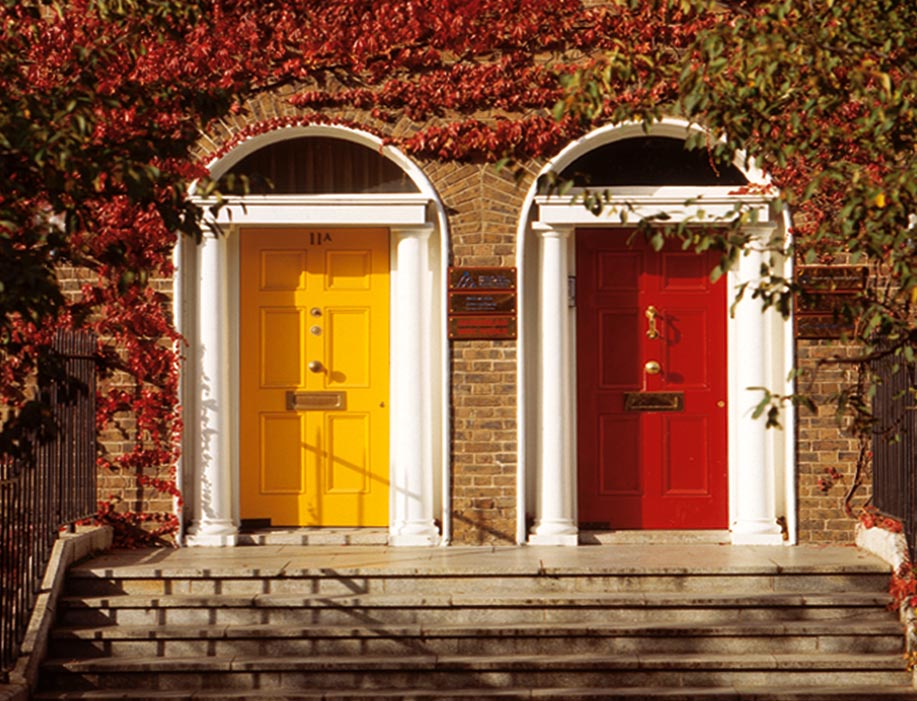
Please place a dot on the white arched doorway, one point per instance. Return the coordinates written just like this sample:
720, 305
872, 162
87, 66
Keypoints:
399, 211
758, 488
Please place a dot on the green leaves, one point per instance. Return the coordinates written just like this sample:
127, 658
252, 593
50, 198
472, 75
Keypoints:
822, 96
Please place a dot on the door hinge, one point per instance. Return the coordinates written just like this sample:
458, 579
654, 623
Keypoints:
571, 291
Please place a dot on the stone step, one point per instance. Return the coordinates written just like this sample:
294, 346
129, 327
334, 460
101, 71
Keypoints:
434, 625
586, 638
209, 582
750, 693
446, 672
462, 609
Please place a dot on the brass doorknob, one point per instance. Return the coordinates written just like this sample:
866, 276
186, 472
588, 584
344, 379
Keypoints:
315, 366
652, 368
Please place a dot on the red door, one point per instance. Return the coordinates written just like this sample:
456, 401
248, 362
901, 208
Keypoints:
651, 385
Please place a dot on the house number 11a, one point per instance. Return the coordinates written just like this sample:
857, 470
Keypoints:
317, 238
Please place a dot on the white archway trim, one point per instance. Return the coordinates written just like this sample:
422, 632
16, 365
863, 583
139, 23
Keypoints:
760, 347
326, 210
701, 205
207, 285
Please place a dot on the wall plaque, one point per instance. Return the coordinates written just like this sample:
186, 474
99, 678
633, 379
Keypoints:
482, 303
832, 278
825, 291
482, 278
497, 326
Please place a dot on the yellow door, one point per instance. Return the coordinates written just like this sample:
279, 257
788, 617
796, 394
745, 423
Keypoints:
314, 359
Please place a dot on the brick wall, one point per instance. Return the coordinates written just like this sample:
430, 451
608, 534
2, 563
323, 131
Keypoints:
483, 208
824, 445
484, 442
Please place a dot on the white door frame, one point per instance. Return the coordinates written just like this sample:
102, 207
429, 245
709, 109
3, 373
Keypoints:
207, 294
761, 469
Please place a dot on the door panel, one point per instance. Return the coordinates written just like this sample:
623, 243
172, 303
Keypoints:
280, 328
620, 435
649, 469
348, 335
314, 340
281, 458
687, 455
347, 459
618, 362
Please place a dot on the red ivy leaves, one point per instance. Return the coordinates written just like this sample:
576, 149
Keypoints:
126, 97
459, 71
871, 518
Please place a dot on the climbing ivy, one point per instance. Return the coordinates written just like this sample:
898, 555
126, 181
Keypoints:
103, 104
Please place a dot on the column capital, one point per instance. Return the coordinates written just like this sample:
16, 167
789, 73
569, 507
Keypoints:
420, 231
214, 233
761, 230
561, 231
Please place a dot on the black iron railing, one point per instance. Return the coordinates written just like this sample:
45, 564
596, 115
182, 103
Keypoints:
51, 489
893, 444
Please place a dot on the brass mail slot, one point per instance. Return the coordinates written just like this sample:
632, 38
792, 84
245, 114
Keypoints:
654, 401
316, 401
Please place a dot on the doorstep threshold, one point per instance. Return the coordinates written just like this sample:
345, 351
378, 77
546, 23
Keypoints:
672, 537
277, 535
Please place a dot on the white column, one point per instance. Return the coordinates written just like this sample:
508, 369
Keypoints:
411, 519
751, 465
556, 476
213, 520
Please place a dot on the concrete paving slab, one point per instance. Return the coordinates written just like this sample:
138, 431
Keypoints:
300, 560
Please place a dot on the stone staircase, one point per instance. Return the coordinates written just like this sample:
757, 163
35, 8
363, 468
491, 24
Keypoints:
398, 632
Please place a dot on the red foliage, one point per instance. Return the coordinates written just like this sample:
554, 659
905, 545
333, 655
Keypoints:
132, 94
903, 587
871, 518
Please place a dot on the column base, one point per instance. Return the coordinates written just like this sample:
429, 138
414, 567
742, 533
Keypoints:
563, 533
415, 535
213, 534
757, 533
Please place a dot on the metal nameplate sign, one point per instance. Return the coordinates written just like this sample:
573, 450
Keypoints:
316, 401
654, 401
832, 278
826, 290
482, 302
482, 278
495, 327
821, 326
